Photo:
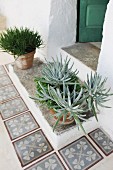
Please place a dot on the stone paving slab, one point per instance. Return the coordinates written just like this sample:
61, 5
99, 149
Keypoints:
32, 147
87, 53
20, 125
12, 108
81, 154
102, 141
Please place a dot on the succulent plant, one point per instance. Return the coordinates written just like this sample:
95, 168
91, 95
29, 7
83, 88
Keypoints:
56, 72
69, 102
64, 102
59, 88
96, 92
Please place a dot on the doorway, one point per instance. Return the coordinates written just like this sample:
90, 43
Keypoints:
91, 15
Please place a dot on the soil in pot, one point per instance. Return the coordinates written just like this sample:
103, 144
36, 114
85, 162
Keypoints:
25, 61
67, 122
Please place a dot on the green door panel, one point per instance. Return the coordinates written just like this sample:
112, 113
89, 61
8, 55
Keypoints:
95, 11
91, 18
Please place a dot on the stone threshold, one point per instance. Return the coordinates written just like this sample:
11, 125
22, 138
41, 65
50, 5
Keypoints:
87, 53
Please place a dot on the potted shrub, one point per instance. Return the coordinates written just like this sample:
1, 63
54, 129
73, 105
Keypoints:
21, 43
69, 98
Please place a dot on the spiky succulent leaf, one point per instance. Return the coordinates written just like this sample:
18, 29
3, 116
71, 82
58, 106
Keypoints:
57, 72
96, 92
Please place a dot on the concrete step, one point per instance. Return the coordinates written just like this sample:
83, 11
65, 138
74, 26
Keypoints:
97, 44
85, 57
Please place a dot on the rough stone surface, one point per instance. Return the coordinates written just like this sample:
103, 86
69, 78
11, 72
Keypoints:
87, 53
26, 77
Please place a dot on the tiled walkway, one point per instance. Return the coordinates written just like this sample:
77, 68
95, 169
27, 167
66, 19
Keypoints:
31, 146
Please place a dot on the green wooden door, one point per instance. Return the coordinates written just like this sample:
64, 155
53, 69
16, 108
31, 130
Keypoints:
91, 18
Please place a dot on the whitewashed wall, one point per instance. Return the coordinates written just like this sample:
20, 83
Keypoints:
31, 13
62, 28
105, 67
54, 19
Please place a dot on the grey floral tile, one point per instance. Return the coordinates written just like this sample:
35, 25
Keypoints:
52, 162
102, 140
80, 154
7, 93
32, 147
21, 125
5, 80
2, 71
12, 108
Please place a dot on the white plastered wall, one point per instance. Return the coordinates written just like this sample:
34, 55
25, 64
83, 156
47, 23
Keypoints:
105, 67
28, 13
54, 19
62, 25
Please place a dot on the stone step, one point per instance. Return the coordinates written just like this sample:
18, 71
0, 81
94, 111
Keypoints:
85, 57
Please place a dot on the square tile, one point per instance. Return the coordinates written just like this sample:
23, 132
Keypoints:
2, 71
102, 140
5, 80
12, 108
21, 125
32, 147
51, 162
80, 154
7, 93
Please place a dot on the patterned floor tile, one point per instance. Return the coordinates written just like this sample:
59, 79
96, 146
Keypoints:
2, 71
7, 93
32, 147
102, 140
80, 154
5, 80
12, 108
52, 162
21, 125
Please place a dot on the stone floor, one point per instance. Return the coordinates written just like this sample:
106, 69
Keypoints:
87, 53
23, 144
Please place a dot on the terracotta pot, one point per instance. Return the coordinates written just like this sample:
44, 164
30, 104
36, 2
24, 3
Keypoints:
25, 61
67, 122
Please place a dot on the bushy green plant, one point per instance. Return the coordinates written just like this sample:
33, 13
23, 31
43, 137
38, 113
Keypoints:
60, 89
20, 41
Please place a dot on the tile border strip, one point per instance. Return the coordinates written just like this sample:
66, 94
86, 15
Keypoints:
4, 70
52, 149
45, 158
97, 143
18, 95
9, 78
24, 133
90, 144
17, 113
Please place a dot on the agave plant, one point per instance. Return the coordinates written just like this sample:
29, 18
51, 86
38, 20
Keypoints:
96, 92
56, 72
59, 88
65, 102
69, 102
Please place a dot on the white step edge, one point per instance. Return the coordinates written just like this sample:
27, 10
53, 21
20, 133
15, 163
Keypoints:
57, 141
82, 68
105, 117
